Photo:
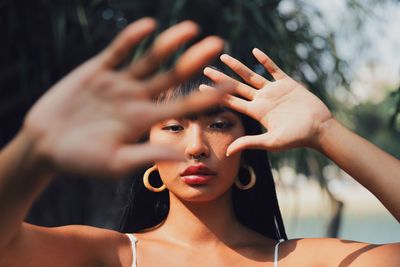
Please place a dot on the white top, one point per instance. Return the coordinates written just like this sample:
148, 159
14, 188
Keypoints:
133, 240
276, 256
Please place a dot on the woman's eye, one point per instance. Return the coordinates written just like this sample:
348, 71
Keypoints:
221, 125
173, 128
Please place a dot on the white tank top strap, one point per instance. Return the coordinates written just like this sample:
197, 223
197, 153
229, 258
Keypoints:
133, 240
276, 253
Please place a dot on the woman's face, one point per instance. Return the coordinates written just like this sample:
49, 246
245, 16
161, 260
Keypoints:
206, 173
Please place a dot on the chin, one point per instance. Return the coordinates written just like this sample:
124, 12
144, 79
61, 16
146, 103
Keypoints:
199, 193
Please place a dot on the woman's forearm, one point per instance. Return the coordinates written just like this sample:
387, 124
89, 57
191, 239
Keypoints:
375, 169
23, 175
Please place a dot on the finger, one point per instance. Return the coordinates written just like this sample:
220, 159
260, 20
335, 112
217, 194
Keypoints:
126, 40
243, 71
268, 64
232, 102
195, 58
206, 88
147, 114
237, 104
165, 44
247, 142
191, 104
238, 87
130, 157
198, 56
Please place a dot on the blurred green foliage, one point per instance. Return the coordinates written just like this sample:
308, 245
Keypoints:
374, 122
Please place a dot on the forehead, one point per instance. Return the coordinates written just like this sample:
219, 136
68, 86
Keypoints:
211, 112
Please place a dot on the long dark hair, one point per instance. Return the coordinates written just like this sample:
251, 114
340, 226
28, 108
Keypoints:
256, 208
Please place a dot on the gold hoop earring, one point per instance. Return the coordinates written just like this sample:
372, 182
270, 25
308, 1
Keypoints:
252, 182
146, 182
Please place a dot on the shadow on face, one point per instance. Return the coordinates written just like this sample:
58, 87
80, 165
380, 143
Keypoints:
206, 173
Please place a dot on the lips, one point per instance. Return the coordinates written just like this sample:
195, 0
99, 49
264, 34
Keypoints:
197, 174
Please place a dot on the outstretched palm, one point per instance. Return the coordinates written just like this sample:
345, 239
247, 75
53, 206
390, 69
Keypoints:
89, 121
291, 114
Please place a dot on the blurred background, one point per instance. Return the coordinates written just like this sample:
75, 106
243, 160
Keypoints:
347, 52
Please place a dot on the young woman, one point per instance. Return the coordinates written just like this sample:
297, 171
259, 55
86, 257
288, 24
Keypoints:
87, 124
205, 213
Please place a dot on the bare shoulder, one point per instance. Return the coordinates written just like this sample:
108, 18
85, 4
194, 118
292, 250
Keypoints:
338, 252
72, 245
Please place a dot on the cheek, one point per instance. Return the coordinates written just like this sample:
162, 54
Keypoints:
168, 171
156, 136
219, 144
227, 166
165, 168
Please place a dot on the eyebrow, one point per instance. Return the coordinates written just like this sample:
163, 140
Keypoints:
207, 113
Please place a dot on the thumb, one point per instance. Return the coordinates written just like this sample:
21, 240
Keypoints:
130, 157
248, 142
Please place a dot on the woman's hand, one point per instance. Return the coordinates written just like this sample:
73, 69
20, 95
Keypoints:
292, 115
89, 121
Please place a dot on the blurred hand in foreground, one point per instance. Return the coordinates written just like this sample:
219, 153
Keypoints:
88, 122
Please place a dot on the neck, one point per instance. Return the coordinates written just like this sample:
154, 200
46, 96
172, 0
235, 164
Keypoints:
201, 222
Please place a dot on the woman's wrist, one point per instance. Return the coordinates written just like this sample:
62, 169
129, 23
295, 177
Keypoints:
325, 130
34, 159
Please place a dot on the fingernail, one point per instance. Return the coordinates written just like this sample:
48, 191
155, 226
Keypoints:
256, 50
223, 56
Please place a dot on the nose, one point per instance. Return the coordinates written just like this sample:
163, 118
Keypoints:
197, 148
